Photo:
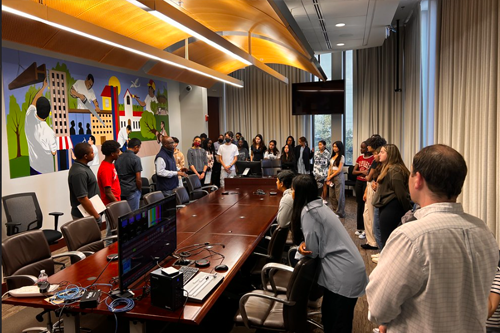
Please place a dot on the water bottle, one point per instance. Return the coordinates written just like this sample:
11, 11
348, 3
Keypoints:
42, 277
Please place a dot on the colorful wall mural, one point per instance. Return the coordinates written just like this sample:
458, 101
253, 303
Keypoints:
51, 105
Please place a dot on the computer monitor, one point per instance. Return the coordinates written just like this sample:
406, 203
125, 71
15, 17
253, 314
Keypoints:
255, 168
145, 236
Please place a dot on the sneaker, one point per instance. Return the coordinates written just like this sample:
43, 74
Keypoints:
375, 260
358, 232
376, 255
368, 247
362, 236
376, 330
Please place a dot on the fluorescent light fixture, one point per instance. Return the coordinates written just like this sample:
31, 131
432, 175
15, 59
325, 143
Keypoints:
108, 42
321, 91
189, 31
340, 44
340, 25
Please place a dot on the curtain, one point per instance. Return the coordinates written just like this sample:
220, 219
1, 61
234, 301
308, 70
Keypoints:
467, 103
264, 106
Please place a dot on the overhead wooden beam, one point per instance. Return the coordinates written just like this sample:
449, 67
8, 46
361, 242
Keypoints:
29, 76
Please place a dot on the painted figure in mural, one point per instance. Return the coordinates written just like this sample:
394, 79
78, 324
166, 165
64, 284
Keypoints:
83, 92
91, 142
42, 145
89, 131
123, 137
72, 130
162, 132
149, 98
80, 128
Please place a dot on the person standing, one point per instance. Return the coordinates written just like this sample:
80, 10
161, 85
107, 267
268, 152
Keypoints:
197, 159
228, 155
287, 158
284, 184
91, 142
336, 179
82, 182
363, 163
42, 144
435, 273
242, 151
258, 148
123, 137
272, 153
179, 158
303, 156
166, 169
320, 170
129, 168
391, 195
342, 274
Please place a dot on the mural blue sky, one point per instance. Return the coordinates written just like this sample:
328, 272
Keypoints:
84, 100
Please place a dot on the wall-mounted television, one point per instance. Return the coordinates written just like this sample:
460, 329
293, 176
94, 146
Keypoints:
309, 98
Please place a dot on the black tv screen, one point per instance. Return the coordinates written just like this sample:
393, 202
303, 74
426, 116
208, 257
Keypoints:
309, 98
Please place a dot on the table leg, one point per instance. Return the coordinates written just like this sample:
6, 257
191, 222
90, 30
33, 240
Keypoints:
72, 323
137, 326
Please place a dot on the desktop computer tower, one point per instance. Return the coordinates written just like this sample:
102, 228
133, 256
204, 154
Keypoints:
167, 291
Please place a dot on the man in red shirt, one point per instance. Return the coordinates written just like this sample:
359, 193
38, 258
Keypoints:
107, 177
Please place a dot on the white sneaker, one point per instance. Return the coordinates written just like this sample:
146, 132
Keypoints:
376, 255
358, 232
376, 330
362, 235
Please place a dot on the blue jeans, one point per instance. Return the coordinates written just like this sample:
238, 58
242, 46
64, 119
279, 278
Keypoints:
376, 228
133, 199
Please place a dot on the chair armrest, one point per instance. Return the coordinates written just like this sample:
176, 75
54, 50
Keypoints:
261, 255
76, 254
245, 297
87, 253
21, 280
203, 191
272, 267
9, 224
180, 206
212, 187
113, 237
56, 218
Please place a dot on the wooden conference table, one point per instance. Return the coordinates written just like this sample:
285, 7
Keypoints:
238, 220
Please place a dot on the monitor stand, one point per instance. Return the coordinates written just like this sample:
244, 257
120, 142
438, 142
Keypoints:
122, 294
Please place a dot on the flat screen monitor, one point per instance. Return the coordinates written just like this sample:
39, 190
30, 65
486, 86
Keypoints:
145, 236
255, 168
309, 98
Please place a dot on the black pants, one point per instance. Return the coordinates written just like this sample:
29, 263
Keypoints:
390, 217
337, 312
359, 188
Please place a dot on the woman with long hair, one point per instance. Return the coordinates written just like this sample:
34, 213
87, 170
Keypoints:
290, 141
197, 159
208, 146
303, 156
320, 170
336, 179
342, 274
287, 158
242, 151
258, 148
392, 196
272, 153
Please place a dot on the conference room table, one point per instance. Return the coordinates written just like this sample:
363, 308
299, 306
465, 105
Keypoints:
239, 219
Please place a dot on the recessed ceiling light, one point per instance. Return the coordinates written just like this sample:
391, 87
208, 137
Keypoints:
340, 25
340, 44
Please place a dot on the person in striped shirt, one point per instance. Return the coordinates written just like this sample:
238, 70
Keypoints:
493, 321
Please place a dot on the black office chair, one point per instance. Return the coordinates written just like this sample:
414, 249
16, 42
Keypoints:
270, 167
350, 179
263, 309
195, 189
153, 197
23, 213
146, 187
154, 181
83, 235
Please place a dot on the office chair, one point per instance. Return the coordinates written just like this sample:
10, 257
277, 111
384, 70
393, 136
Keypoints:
263, 309
195, 189
146, 187
154, 181
270, 167
350, 179
23, 213
24, 255
114, 210
153, 197
83, 235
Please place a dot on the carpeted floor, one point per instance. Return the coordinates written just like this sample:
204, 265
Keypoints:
219, 319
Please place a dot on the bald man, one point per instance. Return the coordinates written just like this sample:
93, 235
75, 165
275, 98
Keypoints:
166, 169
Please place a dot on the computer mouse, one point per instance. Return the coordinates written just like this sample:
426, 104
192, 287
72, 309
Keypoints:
221, 268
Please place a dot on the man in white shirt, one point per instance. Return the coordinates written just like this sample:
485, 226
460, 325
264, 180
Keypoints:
83, 92
42, 145
149, 98
166, 169
123, 137
435, 273
227, 155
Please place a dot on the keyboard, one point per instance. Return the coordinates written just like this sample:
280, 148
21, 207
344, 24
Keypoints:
188, 273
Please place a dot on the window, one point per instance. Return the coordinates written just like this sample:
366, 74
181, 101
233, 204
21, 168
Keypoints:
349, 149
322, 125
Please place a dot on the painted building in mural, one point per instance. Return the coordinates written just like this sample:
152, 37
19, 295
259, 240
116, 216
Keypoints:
128, 116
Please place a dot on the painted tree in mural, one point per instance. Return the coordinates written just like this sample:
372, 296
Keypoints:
15, 128
148, 125
70, 81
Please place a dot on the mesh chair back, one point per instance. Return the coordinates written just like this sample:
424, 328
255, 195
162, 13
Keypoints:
82, 235
303, 277
26, 253
153, 197
270, 167
181, 196
22, 208
193, 183
114, 210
